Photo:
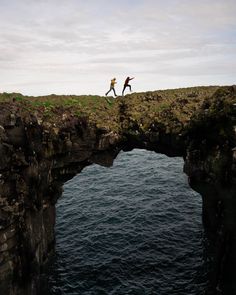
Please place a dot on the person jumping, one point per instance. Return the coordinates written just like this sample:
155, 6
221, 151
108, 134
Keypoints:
126, 84
112, 86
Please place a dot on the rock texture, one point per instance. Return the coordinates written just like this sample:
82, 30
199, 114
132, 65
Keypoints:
41, 150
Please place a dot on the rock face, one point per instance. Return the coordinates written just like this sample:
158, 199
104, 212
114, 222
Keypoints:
39, 156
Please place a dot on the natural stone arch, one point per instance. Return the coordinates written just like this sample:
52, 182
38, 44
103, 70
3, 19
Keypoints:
37, 158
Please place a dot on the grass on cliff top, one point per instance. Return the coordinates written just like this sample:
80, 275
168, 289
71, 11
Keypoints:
173, 108
99, 110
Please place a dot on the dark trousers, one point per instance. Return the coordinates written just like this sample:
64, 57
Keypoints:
127, 85
112, 88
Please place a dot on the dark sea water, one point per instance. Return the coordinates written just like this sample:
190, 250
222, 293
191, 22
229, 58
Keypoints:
134, 228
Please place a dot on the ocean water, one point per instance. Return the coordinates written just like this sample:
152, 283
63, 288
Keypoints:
134, 228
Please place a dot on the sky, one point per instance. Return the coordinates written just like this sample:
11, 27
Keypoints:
78, 46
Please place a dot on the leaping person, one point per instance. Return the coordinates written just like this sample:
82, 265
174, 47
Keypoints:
126, 84
112, 86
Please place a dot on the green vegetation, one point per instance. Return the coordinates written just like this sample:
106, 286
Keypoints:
171, 108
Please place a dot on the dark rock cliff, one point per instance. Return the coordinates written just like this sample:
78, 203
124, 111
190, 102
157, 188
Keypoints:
39, 154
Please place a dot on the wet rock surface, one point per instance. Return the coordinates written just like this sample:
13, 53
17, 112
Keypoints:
39, 154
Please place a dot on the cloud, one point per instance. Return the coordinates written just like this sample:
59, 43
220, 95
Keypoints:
59, 40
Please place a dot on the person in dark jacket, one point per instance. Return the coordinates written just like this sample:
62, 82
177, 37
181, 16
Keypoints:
126, 84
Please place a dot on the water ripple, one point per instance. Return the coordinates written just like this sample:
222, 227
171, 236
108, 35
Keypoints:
134, 228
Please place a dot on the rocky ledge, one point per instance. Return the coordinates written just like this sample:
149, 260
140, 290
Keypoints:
45, 141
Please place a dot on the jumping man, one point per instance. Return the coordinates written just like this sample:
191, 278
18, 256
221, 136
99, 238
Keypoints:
112, 86
126, 84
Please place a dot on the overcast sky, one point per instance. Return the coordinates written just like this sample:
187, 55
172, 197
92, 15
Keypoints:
77, 46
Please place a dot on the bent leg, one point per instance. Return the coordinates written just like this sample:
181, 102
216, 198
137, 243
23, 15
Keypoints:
108, 91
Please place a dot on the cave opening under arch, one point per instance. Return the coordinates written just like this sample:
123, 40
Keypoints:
133, 227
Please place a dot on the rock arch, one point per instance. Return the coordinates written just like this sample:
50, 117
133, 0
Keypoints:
38, 157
